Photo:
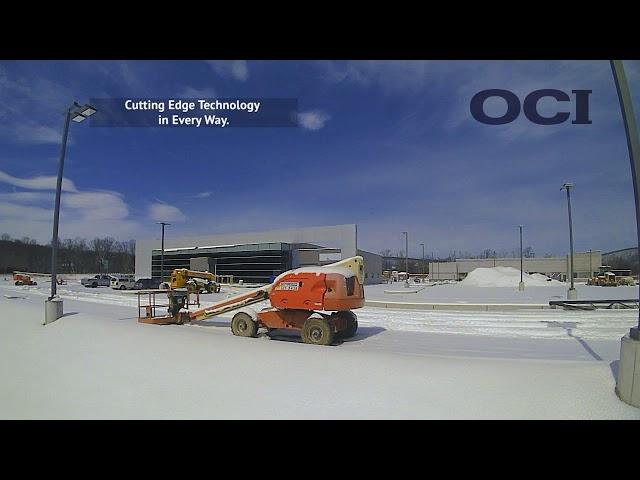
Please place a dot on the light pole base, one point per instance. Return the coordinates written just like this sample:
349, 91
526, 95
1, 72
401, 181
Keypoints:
628, 381
52, 310
521, 286
572, 294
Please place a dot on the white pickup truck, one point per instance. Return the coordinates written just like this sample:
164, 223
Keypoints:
97, 281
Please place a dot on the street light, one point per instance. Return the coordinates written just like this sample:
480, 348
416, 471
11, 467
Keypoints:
521, 284
422, 244
571, 293
162, 251
406, 258
53, 306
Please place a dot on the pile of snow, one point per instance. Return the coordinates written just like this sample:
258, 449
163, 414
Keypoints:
505, 277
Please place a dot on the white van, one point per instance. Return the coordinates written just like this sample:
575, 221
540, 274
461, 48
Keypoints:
123, 282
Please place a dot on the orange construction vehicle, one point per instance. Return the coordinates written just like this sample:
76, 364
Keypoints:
23, 279
316, 300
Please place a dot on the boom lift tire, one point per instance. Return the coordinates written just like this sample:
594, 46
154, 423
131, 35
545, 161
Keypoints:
243, 325
317, 331
352, 324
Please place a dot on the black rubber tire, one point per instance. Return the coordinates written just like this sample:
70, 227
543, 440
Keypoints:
122, 287
211, 287
218, 288
34, 283
317, 331
352, 324
19, 282
243, 325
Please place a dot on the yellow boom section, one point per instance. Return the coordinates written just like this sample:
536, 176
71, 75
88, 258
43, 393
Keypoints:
180, 277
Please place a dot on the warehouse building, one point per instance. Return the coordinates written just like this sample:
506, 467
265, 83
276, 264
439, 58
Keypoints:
255, 257
554, 267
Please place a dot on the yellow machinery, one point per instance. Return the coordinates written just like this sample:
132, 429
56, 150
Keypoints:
194, 281
611, 278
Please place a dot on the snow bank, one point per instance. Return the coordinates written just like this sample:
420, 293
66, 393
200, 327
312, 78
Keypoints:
505, 277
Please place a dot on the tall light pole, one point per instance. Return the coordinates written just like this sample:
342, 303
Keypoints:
633, 145
571, 293
422, 244
406, 258
162, 251
521, 284
590, 265
628, 369
53, 306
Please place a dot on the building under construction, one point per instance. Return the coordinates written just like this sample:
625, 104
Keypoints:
255, 257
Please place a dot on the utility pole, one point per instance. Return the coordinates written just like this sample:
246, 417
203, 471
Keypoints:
422, 244
162, 251
521, 284
590, 265
571, 293
406, 258
54, 305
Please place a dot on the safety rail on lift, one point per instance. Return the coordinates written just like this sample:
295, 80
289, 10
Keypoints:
594, 304
147, 310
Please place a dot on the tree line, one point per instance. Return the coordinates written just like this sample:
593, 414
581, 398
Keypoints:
75, 255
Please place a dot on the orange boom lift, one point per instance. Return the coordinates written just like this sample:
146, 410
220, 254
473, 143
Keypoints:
316, 300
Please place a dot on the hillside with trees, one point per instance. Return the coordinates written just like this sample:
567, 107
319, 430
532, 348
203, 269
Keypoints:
75, 255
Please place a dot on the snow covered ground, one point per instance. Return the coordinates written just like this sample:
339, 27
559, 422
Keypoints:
98, 362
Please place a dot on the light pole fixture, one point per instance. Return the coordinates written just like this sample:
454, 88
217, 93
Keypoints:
162, 251
422, 244
571, 293
521, 284
406, 258
53, 305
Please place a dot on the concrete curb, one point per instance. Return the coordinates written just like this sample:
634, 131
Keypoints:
477, 307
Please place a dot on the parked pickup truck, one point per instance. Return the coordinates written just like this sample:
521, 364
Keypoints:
97, 281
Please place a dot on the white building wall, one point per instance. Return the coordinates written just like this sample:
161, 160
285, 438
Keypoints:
548, 266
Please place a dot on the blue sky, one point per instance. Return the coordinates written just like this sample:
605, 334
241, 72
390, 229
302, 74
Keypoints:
389, 145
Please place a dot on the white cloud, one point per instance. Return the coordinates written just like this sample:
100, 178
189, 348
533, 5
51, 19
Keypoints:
26, 197
37, 183
161, 212
312, 120
25, 213
199, 93
96, 205
82, 213
204, 195
237, 69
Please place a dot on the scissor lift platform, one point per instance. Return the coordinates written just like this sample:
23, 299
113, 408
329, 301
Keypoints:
149, 309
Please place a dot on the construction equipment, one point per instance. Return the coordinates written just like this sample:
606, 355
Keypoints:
194, 281
23, 279
607, 277
300, 299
